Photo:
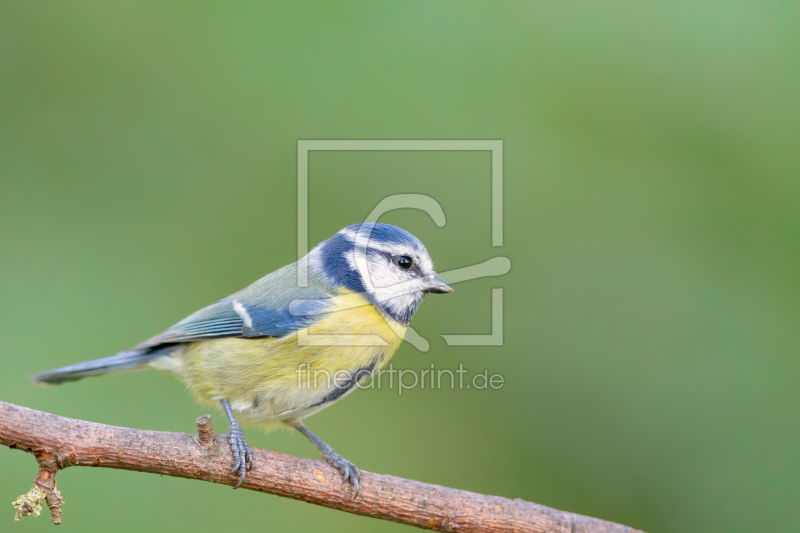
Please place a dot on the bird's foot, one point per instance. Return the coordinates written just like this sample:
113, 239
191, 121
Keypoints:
242, 456
348, 470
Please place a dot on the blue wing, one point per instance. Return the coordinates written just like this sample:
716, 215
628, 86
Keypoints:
273, 306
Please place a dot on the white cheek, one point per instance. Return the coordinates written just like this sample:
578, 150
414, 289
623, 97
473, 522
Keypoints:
383, 274
401, 296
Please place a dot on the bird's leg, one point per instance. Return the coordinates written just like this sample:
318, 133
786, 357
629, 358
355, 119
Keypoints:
242, 456
349, 470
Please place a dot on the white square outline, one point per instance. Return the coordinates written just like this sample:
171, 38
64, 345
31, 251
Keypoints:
304, 146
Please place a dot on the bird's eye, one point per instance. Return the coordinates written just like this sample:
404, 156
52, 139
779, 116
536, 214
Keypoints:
404, 262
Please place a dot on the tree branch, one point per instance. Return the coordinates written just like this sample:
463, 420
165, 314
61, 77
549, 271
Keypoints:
58, 443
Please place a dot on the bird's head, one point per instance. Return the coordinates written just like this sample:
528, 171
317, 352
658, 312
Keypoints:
387, 264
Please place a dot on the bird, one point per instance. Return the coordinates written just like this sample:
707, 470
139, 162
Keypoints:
337, 315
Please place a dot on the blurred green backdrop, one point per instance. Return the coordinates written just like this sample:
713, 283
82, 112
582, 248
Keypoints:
148, 167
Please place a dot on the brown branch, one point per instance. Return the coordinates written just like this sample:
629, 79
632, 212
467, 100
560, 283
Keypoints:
58, 443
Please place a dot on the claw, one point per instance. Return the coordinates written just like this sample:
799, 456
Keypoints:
242, 456
349, 471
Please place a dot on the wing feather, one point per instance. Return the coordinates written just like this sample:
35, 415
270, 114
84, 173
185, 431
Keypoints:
260, 310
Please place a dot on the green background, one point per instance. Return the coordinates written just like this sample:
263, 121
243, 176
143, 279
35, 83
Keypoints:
148, 167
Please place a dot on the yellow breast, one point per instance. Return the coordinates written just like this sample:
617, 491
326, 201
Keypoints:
269, 378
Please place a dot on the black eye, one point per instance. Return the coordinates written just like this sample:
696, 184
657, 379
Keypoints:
404, 262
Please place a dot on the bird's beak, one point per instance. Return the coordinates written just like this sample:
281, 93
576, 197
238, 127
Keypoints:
437, 285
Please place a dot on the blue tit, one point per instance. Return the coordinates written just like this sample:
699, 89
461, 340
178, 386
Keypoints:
281, 350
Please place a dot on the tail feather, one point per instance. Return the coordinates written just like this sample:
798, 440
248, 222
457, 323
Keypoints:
121, 361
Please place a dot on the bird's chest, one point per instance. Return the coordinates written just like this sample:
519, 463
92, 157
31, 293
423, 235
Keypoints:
276, 378
353, 335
